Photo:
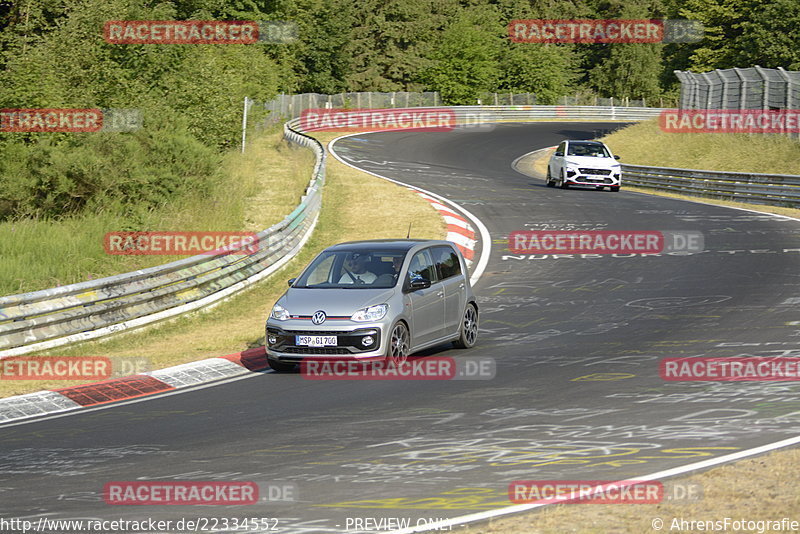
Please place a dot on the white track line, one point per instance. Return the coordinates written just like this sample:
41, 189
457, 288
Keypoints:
482, 516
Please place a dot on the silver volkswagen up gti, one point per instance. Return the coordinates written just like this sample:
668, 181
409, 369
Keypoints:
374, 300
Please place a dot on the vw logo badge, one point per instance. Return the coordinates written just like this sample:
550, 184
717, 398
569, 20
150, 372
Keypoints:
318, 317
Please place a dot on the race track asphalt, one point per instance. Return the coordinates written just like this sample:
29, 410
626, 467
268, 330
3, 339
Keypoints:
576, 342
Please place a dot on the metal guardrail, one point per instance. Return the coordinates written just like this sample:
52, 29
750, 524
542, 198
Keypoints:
499, 114
87, 310
771, 189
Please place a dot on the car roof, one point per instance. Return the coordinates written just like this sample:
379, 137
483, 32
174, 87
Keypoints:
582, 142
399, 245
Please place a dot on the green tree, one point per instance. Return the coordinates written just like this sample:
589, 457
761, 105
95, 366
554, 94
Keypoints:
548, 70
743, 33
628, 70
466, 60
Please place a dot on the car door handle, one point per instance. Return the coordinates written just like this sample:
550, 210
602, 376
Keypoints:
461, 286
440, 294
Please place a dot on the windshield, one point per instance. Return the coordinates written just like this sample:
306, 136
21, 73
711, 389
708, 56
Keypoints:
592, 150
347, 269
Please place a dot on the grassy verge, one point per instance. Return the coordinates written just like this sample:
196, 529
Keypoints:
355, 206
761, 488
38, 254
645, 144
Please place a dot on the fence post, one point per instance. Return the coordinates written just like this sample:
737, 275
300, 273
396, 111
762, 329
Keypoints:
788, 96
247, 102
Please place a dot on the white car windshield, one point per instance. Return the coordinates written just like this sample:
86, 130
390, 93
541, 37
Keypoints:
591, 150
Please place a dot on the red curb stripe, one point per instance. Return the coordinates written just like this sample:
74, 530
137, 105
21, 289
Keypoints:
251, 359
461, 230
451, 214
467, 252
129, 387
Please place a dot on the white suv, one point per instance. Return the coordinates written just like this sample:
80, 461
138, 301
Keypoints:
584, 163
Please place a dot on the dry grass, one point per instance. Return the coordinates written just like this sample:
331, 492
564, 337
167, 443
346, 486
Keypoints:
645, 144
355, 206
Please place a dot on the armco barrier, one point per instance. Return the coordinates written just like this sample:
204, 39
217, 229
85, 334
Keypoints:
772, 189
87, 310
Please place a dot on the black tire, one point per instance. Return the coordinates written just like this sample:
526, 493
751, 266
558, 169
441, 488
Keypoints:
281, 367
614, 189
469, 328
399, 343
550, 182
564, 184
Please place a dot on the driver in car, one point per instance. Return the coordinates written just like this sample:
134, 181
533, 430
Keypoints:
355, 271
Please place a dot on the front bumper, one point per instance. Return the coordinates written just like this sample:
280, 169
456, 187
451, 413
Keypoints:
601, 177
282, 344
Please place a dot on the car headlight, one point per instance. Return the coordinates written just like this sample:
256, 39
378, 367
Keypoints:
372, 313
279, 313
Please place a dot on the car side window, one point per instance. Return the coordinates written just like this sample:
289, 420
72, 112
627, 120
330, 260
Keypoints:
560, 149
446, 262
422, 266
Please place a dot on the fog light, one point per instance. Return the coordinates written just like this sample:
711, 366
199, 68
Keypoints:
367, 341
272, 339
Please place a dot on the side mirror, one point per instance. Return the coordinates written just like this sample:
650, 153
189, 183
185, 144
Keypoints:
559, 154
291, 281
419, 283
616, 156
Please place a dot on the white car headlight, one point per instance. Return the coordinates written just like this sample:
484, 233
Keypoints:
279, 313
372, 313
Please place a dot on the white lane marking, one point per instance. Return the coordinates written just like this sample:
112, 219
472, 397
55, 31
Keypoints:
458, 222
486, 239
481, 516
461, 239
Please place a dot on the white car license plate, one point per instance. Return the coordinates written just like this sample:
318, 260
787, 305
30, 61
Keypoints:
316, 341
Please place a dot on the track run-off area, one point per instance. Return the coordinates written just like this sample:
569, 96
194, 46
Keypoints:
577, 394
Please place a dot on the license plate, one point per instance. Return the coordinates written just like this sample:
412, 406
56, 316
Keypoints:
316, 341
595, 178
